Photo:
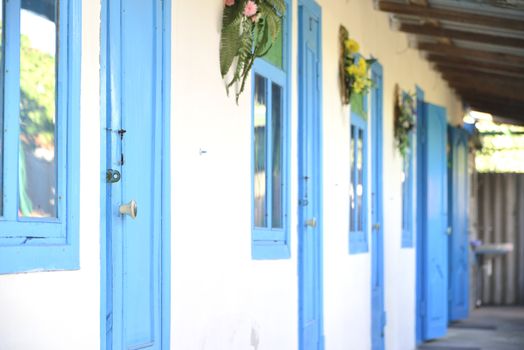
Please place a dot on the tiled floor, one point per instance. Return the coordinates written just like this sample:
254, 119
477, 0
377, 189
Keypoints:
488, 328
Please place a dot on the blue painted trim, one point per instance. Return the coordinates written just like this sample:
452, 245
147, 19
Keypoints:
268, 243
105, 242
56, 245
358, 240
166, 176
105, 146
458, 298
316, 10
420, 210
377, 211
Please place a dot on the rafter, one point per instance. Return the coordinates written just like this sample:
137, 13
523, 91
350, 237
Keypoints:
466, 73
455, 51
472, 63
450, 15
462, 35
492, 90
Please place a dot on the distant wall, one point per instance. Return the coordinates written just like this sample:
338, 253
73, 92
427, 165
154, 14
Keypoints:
500, 210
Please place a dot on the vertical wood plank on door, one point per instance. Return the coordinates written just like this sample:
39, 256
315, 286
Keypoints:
498, 227
510, 228
486, 230
500, 208
520, 234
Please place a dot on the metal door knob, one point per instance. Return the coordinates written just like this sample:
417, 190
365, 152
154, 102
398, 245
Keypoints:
311, 222
376, 227
130, 209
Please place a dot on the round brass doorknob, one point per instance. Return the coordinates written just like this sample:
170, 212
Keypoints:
130, 209
311, 222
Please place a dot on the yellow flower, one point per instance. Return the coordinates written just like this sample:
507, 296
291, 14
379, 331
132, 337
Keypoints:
357, 88
352, 70
352, 46
362, 67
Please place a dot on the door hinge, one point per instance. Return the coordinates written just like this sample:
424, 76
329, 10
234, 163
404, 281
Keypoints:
384, 319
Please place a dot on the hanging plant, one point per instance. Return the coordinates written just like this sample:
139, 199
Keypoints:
405, 116
354, 77
249, 29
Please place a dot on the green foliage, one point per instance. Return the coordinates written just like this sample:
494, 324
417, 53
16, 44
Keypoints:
405, 116
37, 95
503, 148
245, 38
357, 104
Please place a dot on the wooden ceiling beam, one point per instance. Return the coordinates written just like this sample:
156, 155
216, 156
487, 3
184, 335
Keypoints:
483, 79
509, 115
450, 50
461, 35
494, 104
479, 95
471, 63
467, 73
473, 69
483, 91
450, 15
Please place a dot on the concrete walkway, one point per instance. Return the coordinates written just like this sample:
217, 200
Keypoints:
488, 328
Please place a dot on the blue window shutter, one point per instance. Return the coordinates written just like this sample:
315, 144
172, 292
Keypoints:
358, 232
43, 244
267, 241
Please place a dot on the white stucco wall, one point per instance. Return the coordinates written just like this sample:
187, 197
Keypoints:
61, 310
224, 297
221, 298
348, 277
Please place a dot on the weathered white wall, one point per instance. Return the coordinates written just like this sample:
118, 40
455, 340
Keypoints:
347, 281
61, 310
221, 298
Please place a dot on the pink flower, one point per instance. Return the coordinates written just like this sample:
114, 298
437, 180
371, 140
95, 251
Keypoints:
250, 9
229, 2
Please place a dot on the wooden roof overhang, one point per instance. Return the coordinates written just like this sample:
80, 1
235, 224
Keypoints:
476, 45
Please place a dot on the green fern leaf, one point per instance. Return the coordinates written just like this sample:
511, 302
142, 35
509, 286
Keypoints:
278, 5
229, 46
262, 42
273, 20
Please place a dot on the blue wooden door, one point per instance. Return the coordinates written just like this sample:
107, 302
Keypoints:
310, 182
432, 228
458, 215
378, 315
134, 203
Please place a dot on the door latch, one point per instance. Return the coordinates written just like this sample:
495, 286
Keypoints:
112, 176
311, 222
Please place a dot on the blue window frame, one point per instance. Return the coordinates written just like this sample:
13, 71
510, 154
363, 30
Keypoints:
39, 110
358, 186
270, 151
